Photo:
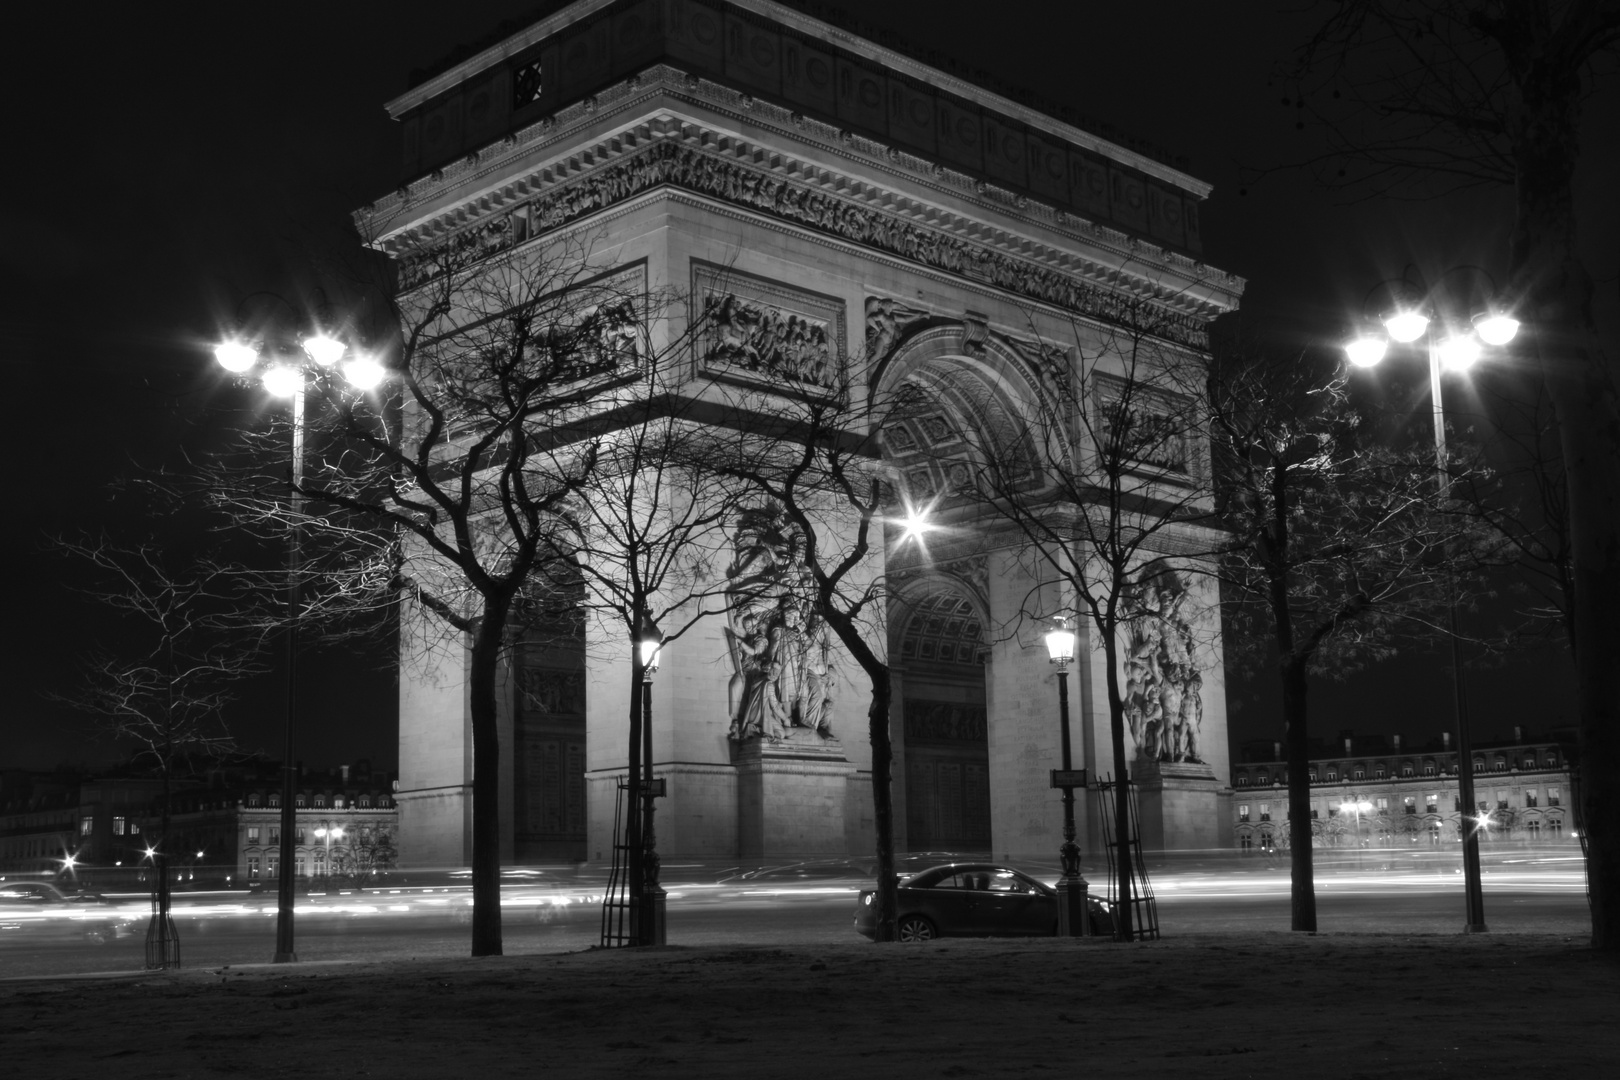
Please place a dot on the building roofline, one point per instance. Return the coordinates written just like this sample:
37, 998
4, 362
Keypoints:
854, 43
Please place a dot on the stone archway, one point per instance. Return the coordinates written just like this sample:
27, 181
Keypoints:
940, 647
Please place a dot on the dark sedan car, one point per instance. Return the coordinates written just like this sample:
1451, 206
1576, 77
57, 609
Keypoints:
973, 899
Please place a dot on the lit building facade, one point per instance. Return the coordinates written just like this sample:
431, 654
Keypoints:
1375, 793
790, 175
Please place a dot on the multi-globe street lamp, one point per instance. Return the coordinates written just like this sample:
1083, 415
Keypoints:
1073, 920
284, 370
1416, 316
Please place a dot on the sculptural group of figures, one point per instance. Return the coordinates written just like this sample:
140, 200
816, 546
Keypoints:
762, 340
1164, 705
781, 650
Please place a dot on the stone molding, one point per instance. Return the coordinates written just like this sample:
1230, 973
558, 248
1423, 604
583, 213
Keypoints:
494, 162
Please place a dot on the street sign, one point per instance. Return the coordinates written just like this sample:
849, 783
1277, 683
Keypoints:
1068, 778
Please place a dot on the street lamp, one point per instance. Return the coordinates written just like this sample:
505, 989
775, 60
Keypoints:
1408, 321
328, 833
1072, 914
285, 372
651, 928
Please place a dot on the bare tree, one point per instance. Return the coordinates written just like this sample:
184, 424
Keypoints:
165, 687
647, 532
1463, 92
811, 459
447, 491
1104, 478
1337, 543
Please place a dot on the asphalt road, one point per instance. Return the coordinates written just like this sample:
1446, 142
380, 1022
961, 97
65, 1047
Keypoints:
786, 911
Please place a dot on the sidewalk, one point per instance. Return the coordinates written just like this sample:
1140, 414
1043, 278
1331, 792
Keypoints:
1239, 1005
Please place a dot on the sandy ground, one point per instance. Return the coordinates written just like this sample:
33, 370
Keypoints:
1231, 1005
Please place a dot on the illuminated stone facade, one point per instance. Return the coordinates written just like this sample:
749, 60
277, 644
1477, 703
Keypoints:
820, 197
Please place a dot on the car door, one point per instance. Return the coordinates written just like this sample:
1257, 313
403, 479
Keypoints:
1012, 904
945, 902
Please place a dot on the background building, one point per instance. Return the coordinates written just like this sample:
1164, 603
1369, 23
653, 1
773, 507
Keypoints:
1372, 792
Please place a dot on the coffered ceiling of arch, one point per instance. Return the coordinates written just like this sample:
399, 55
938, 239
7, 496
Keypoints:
508, 202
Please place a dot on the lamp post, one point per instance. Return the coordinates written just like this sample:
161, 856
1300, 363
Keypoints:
327, 833
651, 927
1410, 319
284, 372
1073, 918
1358, 807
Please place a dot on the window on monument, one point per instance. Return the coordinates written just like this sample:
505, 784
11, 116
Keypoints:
527, 85
1243, 812
1265, 811
1552, 797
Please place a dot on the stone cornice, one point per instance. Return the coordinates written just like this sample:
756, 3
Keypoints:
816, 29
488, 185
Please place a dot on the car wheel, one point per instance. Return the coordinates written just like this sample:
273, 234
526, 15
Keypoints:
915, 928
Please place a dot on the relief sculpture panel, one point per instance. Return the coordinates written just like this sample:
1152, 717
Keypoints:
1164, 705
760, 332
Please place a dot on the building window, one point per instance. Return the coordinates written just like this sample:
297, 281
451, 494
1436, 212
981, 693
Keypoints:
1333, 774
1552, 797
1313, 776
337, 802
253, 867
1410, 804
527, 85
1265, 811
1501, 799
1479, 764
1313, 813
1501, 763
253, 834
299, 837
275, 834
1431, 803
298, 867
275, 798
1530, 799
1243, 781
1428, 768
118, 826
253, 799
134, 828
365, 802
1406, 769
271, 865
1378, 772
1361, 774
1243, 812
85, 825
1534, 829
320, 802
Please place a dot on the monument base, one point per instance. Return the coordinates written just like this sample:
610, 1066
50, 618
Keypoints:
1183, 807
790, 796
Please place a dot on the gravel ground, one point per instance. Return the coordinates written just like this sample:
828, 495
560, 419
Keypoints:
1214, 1005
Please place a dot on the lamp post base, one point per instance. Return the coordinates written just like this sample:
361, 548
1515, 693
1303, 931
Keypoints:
651, 929
1074, 915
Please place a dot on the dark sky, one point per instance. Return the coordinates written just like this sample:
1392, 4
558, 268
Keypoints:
164, 164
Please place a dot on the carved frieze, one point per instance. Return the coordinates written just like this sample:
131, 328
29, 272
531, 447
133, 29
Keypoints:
764, 332
806, 204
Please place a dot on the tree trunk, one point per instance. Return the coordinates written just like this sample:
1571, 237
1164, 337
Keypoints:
1124, 911
1297, 753
877, 717
486, 808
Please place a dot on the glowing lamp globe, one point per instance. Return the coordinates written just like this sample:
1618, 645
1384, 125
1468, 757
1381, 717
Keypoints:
1366, 352
1060, 644
283, 381
235, 357
1496, 328
1459, 353
1406, 325
364, 373
323, 350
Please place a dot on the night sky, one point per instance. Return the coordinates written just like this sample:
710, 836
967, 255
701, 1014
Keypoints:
164, 163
